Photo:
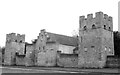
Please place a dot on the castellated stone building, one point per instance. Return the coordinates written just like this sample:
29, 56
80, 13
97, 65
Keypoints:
15, 43
95, 40
90, 49
46, 46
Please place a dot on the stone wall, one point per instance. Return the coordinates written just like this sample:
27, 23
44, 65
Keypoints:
30, 56
67, 60
20, 60
9, 57
47, 58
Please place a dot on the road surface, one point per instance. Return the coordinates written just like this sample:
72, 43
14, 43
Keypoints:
22, 69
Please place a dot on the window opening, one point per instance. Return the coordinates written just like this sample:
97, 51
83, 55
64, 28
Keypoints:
85, 28
93, 26
104, 26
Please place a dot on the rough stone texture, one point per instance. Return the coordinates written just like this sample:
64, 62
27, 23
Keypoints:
20, 60
67, 60
40, 45
30, 56
113, 62
0, 58
47, 58
9, 57
52, 46
95, 40
99, 21
14, 43
48, 43
91, 59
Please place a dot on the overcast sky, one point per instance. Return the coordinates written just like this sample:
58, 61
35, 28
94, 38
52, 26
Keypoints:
58, 16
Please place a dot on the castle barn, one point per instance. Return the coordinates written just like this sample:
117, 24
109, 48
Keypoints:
48, 44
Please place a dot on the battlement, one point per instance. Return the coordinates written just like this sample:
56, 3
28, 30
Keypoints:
13, 37
99, 21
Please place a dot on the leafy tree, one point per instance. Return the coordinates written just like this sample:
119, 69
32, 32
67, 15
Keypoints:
117, 43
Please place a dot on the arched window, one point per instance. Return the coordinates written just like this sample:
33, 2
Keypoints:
15, 40
104, 26
93, 26
20, 41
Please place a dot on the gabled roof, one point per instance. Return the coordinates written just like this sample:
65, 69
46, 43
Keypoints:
63, 39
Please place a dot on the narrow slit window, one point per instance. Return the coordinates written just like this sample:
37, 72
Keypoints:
104, 26
109, 28
43, 47
15, 40
85, 28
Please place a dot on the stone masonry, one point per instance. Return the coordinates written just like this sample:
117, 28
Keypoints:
30, 55
40, 45
95, 40
14, 43
67, 60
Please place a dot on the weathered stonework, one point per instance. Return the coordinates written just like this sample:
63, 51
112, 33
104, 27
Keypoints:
20, 60
67, 60
40, 45
30, 55
47, 58
14, 43
48, 44
95, 40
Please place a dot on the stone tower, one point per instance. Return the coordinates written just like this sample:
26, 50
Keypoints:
14, 44
95, 40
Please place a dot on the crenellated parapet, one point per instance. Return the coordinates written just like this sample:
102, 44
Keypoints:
13, 37
99, 21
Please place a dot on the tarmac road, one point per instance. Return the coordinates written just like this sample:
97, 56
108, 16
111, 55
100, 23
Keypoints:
22, 69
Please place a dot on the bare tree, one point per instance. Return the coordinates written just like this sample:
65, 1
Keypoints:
75, 33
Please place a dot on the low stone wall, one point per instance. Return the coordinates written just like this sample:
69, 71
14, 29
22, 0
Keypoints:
9, 58
67, 60
20, 60
47, 58
91, 61
113, 62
